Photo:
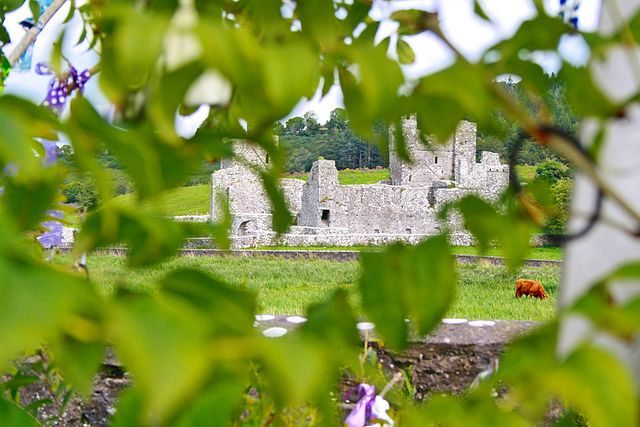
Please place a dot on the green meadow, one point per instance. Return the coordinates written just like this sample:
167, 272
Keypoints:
484, 291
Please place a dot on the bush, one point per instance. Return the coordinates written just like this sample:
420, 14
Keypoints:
82, 193
552, 171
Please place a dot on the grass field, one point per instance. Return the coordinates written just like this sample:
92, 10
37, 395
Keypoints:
526, 173
287, 287
180, 201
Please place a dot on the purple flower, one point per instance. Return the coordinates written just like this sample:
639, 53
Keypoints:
369, 408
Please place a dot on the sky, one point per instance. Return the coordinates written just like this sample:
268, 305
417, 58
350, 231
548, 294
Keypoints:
470, 34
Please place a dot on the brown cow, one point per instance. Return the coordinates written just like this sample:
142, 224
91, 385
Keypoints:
531, 288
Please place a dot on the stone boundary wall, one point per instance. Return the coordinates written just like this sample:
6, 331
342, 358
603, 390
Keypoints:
328, 255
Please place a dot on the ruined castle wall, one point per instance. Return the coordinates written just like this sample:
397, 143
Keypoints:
242, 188
318, 193
487, 178
375, 209
464, 142
383, 209
292, 189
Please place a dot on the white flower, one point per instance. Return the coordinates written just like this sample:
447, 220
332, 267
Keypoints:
379, 412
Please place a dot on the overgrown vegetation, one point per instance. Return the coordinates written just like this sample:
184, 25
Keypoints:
190, 344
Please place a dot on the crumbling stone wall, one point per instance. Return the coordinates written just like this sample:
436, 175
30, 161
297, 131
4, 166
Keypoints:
328, 213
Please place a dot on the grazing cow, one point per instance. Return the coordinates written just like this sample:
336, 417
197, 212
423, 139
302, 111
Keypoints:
531, 288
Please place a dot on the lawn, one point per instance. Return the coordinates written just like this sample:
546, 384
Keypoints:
180, 201
351, 176
288, 286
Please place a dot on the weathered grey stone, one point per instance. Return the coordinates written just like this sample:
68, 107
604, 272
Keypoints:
331, 214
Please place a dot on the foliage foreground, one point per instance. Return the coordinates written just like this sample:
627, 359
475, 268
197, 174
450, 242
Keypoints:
190, 344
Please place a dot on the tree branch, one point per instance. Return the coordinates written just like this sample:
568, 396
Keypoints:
30, 36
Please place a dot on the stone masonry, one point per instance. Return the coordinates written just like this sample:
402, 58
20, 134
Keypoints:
330, 214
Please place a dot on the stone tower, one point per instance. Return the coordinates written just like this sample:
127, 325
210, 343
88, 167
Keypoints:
435, 163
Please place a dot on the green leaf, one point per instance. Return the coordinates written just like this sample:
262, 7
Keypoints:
39, 304
335, 312
479, 11
128, 56
585, 98
78, 361
150, 236
232, 311
26, 200
216, 406
72, 12
455, 411
591, 380
462, 90
168, 93
370, 87
13, 416
282, 218
319, 22
153, 165
540, 33
163, 342
415, 282
510, 230
406, 55
35, 10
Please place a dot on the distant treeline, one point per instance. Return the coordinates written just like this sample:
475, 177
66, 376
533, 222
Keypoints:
306, 140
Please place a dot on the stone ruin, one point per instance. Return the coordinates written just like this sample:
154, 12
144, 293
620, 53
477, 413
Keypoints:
405, 208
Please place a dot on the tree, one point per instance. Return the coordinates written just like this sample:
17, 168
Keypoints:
295, 126
253, 62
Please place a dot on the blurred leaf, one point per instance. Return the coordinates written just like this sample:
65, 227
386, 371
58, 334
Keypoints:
584, 96
152, 164
510, 230
542, 32
370, 87
128, 409
479, 11
406, 55
150, 237
451, 95
168, 93
319, 22
590, 381
310, 376
78, 361
163, 343
282, 218
216, 406
35, 10
26, 200
133, 62
462, 411
231, 311
415, 282
335, 312
14, 416
37, 304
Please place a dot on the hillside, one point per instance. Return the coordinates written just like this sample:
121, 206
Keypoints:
194, 200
